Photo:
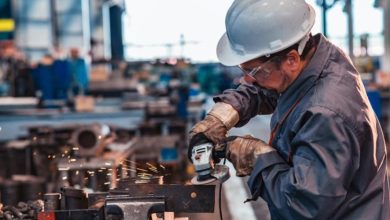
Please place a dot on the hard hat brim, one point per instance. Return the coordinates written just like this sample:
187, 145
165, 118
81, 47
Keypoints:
229, 56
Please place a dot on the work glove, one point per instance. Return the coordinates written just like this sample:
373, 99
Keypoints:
242, 152
217, 122
214, 127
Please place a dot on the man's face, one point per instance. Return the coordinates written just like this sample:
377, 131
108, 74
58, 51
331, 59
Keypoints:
270, 74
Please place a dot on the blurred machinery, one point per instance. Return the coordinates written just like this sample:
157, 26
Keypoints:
90, 139
130, 200
93, 156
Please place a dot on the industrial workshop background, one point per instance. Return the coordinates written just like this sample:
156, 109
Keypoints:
97, 98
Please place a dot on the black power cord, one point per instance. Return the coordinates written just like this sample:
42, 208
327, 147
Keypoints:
220, 196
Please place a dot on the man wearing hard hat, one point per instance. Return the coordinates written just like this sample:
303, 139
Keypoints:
326, 157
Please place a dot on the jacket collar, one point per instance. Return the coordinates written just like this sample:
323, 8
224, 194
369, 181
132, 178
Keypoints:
305, 79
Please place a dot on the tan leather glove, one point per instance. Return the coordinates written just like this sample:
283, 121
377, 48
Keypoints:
243, 152
218, 121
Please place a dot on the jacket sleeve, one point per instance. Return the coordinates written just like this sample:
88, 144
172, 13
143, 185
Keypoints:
249, 101
322, 167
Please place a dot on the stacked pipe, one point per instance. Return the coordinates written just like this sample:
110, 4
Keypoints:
22, 210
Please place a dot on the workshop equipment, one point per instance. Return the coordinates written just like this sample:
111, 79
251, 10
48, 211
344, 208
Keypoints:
51, 201
159, 198
204, 157
90, 139
132, 201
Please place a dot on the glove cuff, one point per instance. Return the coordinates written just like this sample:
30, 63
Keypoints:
226, 114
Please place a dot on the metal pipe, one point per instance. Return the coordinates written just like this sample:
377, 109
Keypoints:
324, 18
386, 32
348, 10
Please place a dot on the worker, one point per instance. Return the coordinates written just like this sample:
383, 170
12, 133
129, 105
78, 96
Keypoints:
326, 157
80, 72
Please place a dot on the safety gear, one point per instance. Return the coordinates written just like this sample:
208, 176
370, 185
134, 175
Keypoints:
218, 121
256, 28
243, 152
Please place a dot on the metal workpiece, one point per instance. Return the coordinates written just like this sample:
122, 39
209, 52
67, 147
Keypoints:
133, 208
52, 201
178, 198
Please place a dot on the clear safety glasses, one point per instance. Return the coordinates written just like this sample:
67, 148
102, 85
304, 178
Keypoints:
262, 71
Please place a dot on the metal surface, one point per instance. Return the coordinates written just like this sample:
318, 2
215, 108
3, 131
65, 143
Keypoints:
178, 198
84, 214
133, 208
13, 124
52, 201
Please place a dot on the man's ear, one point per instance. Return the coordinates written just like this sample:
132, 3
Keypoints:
293, 59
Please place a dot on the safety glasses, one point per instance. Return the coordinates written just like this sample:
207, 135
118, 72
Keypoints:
262, 71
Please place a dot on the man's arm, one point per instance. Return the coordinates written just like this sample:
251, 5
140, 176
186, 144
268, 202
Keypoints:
322, 169
249, 101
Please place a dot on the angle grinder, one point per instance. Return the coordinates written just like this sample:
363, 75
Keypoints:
205, 158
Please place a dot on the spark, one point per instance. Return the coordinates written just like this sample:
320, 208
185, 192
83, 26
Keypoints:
54, 156
133, 170
130, 161
76, 148
141, 169
153, 170
64, 178
108, 163
145, 177
73, 160
162, 166
107, 183
63, 168
77, 172
151, 166
141, 181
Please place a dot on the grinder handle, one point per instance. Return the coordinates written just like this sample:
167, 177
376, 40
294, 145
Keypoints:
219, 152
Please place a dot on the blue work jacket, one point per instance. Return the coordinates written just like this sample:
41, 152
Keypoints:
330, 158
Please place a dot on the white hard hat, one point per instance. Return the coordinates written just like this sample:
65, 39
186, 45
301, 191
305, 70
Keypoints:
256, 28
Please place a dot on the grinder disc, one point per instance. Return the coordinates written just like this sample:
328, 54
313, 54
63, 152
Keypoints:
195, 181
220, 173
